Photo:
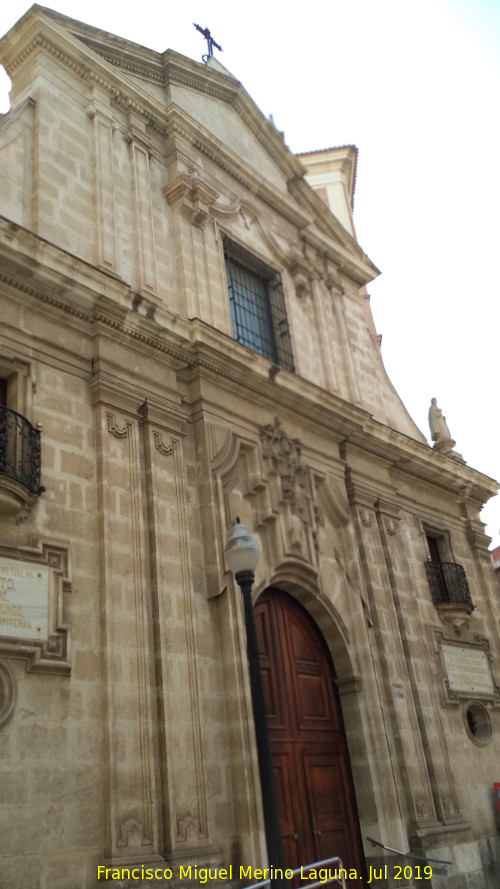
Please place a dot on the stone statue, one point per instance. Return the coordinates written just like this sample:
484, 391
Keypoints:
440, 434
439, 427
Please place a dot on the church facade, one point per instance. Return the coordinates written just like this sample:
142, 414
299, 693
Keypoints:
186, 340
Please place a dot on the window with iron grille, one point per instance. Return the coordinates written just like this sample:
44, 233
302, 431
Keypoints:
257, 305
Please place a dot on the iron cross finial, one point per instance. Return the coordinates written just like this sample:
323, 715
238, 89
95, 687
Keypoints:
210, 42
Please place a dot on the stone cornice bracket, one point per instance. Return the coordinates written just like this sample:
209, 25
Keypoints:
333, 280
98, 109
144, 307
191, 197
168, 418
136, 136
99, 103
136, 131
390, 513
302, 274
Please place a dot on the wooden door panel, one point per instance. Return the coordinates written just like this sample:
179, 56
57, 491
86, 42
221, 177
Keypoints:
303, 646
274, 698
311, 676
313, 781
326, 785
333, 815
312, 703
284, 769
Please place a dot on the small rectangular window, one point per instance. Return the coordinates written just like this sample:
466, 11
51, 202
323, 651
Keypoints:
257, 305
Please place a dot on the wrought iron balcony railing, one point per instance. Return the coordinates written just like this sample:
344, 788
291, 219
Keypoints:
19, 450
448, 584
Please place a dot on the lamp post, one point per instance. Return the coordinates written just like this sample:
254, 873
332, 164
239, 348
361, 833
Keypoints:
242, 555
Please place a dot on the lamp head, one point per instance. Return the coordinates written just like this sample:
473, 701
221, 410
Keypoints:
242, 550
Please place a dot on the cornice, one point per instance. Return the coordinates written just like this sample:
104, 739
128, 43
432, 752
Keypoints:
353, 261
147, 70
95, 59
180, 70
38, 32
19, 285
401, 454
335, 419
89, 295
181, 124
52, 34
334, 243
225, 88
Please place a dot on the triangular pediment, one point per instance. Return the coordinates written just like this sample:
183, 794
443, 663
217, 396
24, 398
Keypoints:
222, 119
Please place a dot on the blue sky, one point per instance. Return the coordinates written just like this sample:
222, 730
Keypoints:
415, 86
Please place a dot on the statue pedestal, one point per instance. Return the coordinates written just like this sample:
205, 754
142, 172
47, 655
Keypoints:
445, 446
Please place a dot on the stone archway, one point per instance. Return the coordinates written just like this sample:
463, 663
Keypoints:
314, 784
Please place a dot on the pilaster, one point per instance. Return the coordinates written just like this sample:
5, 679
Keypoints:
100, 113
185, 815
130, 787
435, 803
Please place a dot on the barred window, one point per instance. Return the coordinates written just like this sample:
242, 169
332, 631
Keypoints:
257, 305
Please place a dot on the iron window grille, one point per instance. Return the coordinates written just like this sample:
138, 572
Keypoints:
448, 584
257, 303
19, 450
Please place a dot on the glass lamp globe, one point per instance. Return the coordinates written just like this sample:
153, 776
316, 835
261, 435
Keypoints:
242, 550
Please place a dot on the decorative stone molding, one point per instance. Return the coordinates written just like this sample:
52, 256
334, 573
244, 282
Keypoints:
117, 431
132, 834
390, 526
457, 615
104, 125
15, 499
193, 197
302, 274
465, 669
33, 582
187, 829
8, 693
166, 450
348, 685
143, 208
284, 454
366, 518
144, 307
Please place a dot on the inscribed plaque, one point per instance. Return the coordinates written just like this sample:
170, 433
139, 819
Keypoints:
468, 669
24, 599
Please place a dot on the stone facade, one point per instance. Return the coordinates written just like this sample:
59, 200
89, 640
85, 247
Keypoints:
125, 713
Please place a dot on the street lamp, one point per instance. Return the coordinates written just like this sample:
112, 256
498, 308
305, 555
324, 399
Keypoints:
242, 555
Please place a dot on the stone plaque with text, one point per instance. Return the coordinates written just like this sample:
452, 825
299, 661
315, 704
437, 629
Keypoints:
24, 599
468, 670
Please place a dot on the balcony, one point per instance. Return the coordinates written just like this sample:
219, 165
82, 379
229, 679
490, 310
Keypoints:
19, 462
450, 592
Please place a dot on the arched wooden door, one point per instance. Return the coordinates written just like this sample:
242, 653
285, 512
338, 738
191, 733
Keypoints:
311, 761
